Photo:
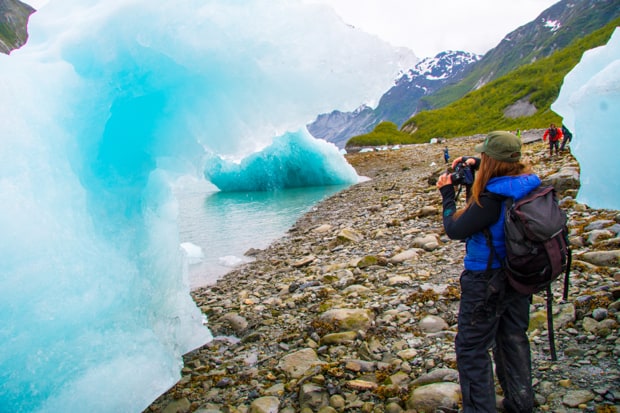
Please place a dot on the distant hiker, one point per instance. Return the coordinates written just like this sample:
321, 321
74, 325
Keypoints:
518, 133
568, 137
492, 315
446, 155
554, 134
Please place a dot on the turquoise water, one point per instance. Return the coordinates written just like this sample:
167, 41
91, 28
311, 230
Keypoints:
227, 224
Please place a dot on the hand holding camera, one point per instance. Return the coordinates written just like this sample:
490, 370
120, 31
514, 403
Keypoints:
463, 172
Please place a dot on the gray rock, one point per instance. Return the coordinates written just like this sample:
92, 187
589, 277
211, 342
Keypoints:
338, 338
574, 398
177, 406
350, 235
322, 228
599, 224
599, 314
602, 258
432, 324
235, 321
348, 319
437, 375
298, 363
434, 396
337, 402
565, 178
313, 396
408, 255
429, 242
268, 404
590, 325
302, 262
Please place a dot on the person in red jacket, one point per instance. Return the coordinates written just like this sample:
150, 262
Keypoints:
555, 136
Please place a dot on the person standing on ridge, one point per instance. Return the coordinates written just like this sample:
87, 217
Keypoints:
446, 155
568, 137
554, 134
491, 313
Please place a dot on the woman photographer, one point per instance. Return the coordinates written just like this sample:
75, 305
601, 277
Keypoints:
491, 313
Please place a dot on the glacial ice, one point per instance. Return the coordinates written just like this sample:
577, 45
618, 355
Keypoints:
108, 103
589, 102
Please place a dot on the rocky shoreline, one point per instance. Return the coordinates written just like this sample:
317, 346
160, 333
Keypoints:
354, 310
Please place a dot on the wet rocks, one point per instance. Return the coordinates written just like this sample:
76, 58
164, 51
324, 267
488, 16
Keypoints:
355, 309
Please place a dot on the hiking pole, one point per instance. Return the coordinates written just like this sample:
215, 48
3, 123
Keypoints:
569, 261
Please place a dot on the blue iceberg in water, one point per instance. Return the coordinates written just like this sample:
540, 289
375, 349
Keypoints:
106, 106
293, 160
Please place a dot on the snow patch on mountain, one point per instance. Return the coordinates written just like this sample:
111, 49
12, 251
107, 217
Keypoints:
400, 102
553, 25
440, 67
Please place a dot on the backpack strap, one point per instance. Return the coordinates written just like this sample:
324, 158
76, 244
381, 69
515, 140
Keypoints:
550, 331
549, 293
569, 262
492, 252
492, 288
487, 231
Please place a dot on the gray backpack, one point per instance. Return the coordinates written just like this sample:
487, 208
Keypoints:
537, 248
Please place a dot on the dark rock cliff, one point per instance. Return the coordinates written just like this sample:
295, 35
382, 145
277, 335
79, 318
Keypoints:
13, 24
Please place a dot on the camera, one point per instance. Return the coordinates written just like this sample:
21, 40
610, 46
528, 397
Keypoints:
462, 175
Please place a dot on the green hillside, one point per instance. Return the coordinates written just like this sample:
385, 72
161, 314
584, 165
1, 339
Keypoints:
480, 111
528, 44
385, 133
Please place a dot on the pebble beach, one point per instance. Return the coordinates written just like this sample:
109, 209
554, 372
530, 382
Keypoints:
354, 309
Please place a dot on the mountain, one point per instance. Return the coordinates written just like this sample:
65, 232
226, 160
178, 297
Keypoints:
428, 76
500, 104
400, 102
554, 29
337, 127
13, 24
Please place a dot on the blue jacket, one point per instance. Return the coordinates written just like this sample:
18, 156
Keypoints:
477, 250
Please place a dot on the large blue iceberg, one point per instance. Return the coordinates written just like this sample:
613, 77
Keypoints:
589, 103
107, 105
294, 160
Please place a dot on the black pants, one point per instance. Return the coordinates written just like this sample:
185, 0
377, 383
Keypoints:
493, 315
552, 145
565, 140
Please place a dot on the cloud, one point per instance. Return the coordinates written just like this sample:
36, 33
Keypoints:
428, 27
431, 26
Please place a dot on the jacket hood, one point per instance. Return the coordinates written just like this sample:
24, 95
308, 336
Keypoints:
513, 186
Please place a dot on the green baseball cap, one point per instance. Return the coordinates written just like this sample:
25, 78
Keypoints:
501, 146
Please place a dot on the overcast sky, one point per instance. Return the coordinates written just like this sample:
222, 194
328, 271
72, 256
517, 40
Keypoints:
430, 26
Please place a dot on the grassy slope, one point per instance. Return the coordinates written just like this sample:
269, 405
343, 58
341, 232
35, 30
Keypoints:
483, 110
385, 133
579, 24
